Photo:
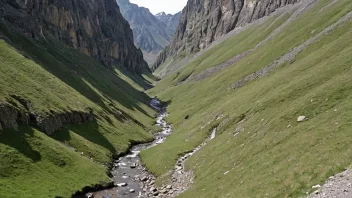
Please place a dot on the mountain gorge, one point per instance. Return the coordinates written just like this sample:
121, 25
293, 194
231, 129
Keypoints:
250, 98
262, 88
71, 100
151, 33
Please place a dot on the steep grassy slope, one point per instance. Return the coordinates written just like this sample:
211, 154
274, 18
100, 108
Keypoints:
57, 79
35, 165
260, 149
222, 52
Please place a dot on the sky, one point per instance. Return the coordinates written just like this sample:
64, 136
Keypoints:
167, 6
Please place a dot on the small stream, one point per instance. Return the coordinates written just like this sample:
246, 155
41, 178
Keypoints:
132, 180
181, 178
130, 177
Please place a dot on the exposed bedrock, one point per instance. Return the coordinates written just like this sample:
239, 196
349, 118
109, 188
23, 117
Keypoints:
94, 27
203, 21
11, 116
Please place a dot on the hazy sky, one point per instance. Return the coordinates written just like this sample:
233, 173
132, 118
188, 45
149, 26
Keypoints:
156, 6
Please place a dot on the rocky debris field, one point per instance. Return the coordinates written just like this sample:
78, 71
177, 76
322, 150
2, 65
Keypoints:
338, 186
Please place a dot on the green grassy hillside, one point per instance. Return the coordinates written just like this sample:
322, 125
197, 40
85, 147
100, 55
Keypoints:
260, 145
57, 79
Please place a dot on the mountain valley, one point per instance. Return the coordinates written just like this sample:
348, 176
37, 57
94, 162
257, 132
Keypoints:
247, 98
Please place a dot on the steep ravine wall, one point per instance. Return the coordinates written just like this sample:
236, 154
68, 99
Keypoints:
94, 27
145, 26
203, 21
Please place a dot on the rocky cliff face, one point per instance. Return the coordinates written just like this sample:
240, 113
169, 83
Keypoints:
150, 34
11, 116
95, 27
8, 117
203, 21
171, 21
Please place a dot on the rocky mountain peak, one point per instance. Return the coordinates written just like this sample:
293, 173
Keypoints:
160, 14
152, 33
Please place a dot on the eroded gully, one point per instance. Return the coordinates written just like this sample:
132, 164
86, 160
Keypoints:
132, 180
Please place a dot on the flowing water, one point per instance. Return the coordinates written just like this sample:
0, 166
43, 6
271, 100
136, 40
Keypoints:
129, 175
133, 181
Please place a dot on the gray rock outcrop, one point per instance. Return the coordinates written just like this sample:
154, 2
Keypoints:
171, 21
151, 33
8, 116
94, 27
54, 122
11, 116
203, 21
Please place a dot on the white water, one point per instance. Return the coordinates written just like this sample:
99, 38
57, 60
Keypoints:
128, 167
181, 178
213, 134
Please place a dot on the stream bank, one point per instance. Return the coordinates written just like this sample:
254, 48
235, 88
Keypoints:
131, 179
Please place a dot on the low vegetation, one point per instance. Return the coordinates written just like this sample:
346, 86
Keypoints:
261, 150
56, 79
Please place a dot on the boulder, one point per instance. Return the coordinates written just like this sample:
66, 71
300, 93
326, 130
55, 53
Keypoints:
144, 178
302, 118
134, 165
152, 189
316, 186
121, 185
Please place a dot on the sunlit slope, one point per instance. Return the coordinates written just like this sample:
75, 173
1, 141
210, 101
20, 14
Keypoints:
57, 79
260, 149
